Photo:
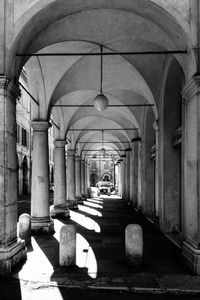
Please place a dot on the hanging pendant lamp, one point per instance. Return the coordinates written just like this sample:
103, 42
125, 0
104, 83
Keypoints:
101, 101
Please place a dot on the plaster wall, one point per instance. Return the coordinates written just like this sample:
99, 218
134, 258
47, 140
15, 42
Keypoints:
171, 154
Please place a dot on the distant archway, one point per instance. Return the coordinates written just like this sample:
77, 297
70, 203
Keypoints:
106, 177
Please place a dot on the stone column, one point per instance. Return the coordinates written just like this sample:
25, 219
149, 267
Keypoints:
78, 178
122, 178
156, 128
135, 164
139, 177
131, 177
191, 183
86, 179
119, 179
83, 177
12, 250
60, 204
114, 173
127, 176
71, 180
40, 215
87, 167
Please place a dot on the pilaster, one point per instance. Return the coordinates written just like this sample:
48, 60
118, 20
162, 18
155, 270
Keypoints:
12, 249
191, 207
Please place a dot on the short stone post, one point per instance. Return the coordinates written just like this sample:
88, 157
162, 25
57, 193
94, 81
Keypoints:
67, 251
134, 244
25, 227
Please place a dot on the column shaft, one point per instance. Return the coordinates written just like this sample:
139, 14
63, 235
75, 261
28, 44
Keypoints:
87, 168
60, 204
127, 176
83, 178
40, 215
12, 250
122, 173
78, 178
71, 180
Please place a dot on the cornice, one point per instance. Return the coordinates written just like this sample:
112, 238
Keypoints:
9, 88
191, 88
59, 143
40, 125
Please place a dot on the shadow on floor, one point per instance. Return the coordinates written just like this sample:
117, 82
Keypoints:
101, 227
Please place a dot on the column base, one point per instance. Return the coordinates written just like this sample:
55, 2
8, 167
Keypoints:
72, 204
11, 256
42, 225
60, 211
191, 257
79, 200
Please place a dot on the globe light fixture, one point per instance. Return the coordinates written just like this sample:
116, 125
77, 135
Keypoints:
101, 101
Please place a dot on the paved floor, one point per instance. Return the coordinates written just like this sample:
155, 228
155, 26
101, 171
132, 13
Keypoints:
101, 262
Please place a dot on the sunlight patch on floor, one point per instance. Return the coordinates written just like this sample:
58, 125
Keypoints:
92, 204
89, 210
95, 201
85, 221
40, 292
85, 257
37, 266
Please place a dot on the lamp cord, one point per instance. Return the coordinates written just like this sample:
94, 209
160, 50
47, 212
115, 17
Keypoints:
101, 48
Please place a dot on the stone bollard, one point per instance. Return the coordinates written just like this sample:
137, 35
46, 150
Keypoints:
67, 251
25, 227
134, 244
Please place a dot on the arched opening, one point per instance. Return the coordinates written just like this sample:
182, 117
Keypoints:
172, 150
107, 177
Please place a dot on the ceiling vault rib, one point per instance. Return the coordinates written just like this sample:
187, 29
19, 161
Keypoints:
100, 129
116, 142
28, 93
104, 53
36, 102
100, 150
110, 105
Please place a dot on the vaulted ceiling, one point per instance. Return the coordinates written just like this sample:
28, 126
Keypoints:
81, 27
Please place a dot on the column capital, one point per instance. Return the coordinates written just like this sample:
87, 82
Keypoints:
59, 143
71, 152
127, 149
77, 158
9, 88
191, 88
40, 125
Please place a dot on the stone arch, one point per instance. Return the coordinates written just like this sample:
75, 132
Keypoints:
52, 11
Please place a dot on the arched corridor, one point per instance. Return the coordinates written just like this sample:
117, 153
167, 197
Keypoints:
111, 107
